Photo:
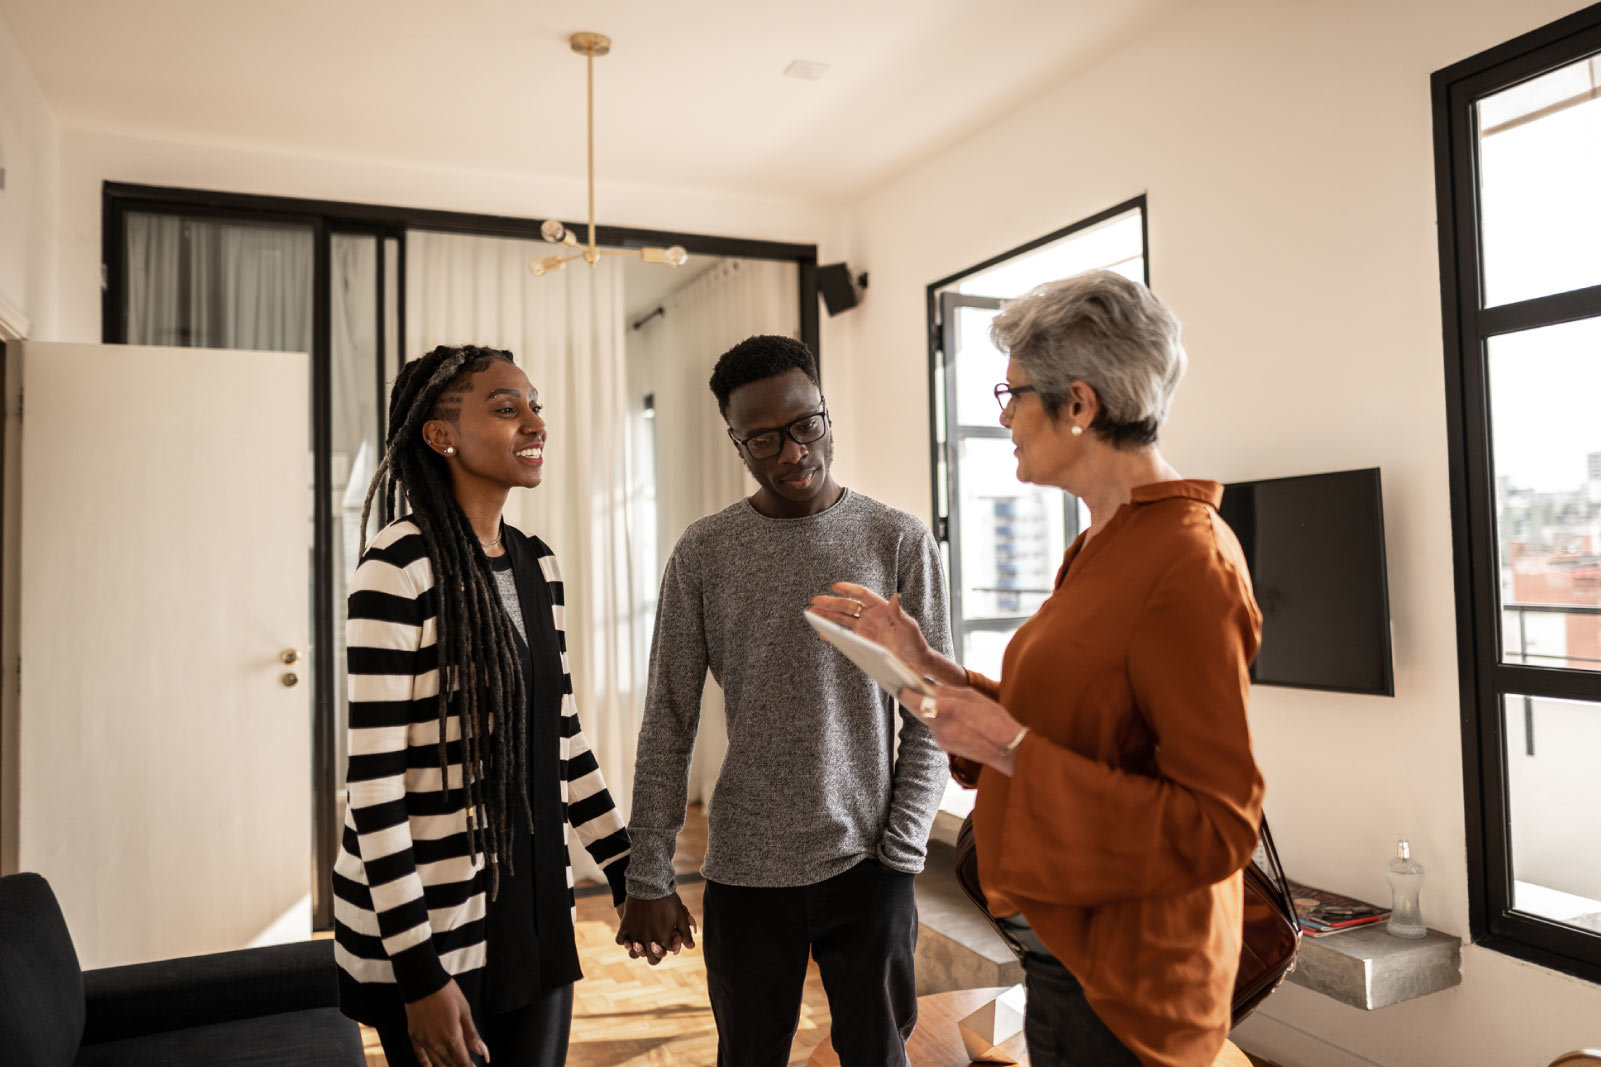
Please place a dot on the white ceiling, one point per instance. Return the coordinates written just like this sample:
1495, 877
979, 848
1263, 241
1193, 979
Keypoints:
692, 95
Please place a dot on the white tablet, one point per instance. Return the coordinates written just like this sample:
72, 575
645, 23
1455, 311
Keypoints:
882, 665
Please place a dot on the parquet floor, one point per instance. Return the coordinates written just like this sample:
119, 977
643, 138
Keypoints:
629, 1014
626, 1012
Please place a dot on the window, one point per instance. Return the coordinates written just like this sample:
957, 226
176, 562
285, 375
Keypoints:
1003, 540
1518, 161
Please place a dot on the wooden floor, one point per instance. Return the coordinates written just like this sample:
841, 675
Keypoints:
629, 1014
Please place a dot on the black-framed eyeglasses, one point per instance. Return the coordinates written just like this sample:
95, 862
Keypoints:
1005, 394
806, 430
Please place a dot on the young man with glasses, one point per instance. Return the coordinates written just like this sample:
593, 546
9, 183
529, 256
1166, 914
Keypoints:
818, 822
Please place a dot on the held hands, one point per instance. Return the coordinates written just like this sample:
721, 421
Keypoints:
968, 724
653, 928
441, 1029
858, 608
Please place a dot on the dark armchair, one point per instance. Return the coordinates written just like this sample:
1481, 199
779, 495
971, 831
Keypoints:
258, 1007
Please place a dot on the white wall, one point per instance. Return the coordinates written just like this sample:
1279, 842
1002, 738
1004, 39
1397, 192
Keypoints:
30, 154
1287, 150
29, 151
91, 158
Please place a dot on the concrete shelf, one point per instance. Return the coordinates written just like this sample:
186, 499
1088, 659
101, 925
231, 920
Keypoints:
1367, 968
1370, 968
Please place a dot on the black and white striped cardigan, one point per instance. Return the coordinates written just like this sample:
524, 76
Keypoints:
408, 896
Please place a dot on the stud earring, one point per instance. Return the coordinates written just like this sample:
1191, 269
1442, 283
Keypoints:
450, 450
1077, 430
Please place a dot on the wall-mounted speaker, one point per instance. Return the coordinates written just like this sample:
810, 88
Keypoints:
840, 291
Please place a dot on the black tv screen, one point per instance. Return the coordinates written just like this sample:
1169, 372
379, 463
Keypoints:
1315, 548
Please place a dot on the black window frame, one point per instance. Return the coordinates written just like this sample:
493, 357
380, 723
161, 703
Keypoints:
326, 219
1468, 326
944, 432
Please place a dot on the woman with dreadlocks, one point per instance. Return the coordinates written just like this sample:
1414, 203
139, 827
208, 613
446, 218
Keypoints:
453, 901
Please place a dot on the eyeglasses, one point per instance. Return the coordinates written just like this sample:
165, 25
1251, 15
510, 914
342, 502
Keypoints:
1005, 394
806, 430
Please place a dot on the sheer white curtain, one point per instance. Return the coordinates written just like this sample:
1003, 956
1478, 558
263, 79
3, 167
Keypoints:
199, 283
677, 350
566, 331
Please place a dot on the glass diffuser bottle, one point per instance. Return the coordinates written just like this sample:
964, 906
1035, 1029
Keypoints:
1406, 881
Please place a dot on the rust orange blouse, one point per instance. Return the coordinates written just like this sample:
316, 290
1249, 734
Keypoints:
1135, 801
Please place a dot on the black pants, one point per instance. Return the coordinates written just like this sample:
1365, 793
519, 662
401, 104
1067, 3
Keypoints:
1061, 1028
860, 927
531, 1036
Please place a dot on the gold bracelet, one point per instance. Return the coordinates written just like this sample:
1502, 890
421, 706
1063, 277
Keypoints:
1011, 746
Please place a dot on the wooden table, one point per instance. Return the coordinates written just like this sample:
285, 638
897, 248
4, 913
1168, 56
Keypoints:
936, 1042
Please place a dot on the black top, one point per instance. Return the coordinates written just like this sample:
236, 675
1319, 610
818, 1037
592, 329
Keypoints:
528, 928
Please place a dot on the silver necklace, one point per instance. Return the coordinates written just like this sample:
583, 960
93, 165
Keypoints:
491, 544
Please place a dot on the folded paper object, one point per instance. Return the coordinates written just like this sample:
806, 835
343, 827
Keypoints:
994, 1033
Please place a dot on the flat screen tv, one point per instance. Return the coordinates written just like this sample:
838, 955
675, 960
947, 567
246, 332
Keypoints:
1315, 548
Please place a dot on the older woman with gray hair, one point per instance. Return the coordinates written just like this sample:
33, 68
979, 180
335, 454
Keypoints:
1118, 798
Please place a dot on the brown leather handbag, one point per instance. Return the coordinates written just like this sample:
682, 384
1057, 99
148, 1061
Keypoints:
1270, 935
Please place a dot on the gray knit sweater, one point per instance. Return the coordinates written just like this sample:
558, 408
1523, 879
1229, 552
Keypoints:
812, 782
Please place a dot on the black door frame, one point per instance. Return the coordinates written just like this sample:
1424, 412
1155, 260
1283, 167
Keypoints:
327, 217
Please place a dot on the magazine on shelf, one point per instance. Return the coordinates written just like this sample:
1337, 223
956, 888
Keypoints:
1322, 912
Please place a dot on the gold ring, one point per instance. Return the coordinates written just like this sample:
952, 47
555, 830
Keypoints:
929, 708
858, 612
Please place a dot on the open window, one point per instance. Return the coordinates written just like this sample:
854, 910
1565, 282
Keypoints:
1003, 540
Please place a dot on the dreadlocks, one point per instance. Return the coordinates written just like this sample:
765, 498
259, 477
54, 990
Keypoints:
477, 646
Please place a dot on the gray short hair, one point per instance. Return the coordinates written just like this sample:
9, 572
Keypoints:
1102, 329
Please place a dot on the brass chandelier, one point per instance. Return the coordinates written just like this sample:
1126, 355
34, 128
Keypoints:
590, 45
